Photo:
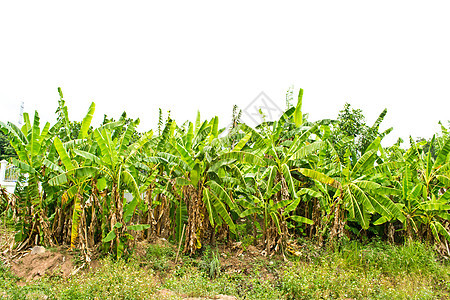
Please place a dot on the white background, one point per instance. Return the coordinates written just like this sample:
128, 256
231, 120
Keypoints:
139, 56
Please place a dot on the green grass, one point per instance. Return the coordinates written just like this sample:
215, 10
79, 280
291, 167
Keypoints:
353, 271
414, 257
196, 284
113, 280
373, 271
158, 257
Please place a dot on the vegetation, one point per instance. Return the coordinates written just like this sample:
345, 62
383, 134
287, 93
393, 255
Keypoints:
194, 184
6, 151
286, 178
356, 271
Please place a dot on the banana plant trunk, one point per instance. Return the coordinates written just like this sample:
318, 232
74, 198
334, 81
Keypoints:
196, 214
117, 217
338, 223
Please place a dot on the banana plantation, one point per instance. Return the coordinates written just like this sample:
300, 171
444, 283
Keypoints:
198, 184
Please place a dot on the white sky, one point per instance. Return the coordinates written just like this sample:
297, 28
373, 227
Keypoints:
182, 56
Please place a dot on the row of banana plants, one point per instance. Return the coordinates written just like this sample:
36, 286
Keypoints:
108, 187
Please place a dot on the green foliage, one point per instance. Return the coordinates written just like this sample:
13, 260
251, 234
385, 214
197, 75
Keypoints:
197, 184
125, 122
210, 263
352, 123
158, 256
6, 150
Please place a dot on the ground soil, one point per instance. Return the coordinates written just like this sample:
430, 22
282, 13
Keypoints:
50, 263
168, 294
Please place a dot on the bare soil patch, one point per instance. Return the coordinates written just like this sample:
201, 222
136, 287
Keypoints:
49, 263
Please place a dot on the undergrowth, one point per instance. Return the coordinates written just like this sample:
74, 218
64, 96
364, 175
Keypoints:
351, 271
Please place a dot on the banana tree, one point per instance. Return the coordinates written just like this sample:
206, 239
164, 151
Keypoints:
33, 146
423, 191
69, 175
103, 159
356, 190
115, 158
259, 201
433, 172
202, 170
284, 145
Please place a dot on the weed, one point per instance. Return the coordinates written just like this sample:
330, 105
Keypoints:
210, 263
158, 257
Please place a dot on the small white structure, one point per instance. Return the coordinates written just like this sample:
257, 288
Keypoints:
5, 182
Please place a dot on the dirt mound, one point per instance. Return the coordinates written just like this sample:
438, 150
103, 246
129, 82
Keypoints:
218, 297
168, 294
33, 266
